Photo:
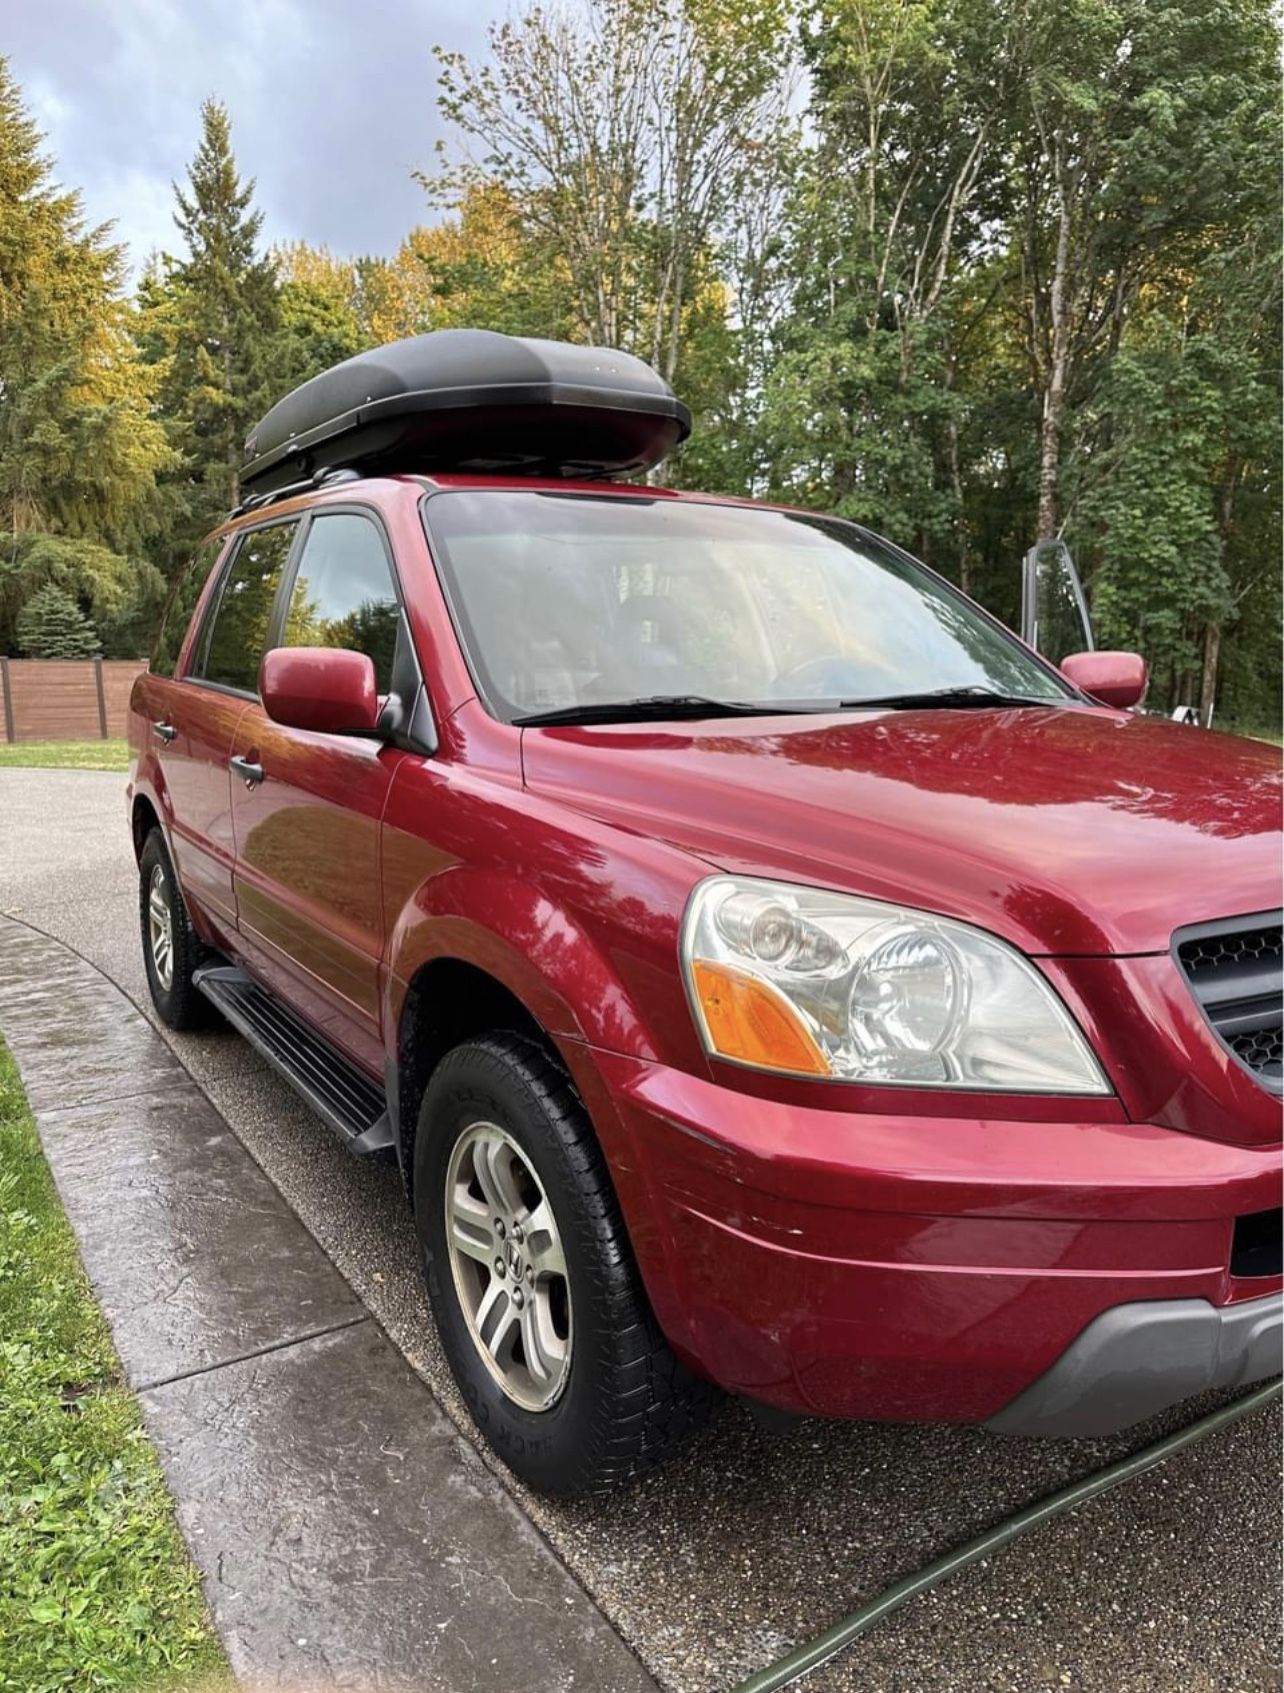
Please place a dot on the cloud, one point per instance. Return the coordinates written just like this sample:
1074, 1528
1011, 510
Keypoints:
332, 105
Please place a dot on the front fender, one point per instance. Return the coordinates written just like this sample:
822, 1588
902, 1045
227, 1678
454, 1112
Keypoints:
566, 978
540, 953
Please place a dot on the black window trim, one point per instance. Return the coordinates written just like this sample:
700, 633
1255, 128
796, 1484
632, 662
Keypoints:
409, 721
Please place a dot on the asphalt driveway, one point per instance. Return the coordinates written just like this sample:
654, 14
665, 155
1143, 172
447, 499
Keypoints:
751, 1541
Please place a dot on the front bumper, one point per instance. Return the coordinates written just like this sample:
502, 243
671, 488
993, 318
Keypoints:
1136, 1360
914, 1268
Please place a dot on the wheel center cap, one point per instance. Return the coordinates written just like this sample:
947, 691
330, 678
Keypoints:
514, 1262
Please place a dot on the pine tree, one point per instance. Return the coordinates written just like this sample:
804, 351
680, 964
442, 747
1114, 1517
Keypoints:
78, 450
211, 318
52, 625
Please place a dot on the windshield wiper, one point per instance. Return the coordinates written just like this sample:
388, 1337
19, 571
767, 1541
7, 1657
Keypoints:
948, 699
653, 707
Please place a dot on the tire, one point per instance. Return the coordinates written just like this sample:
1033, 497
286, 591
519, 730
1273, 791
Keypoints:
178, 1002
611, 1400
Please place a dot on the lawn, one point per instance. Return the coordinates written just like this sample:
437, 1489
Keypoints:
64, 755
96, 1590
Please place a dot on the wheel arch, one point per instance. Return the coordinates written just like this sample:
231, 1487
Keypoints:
143, 818
449, 1000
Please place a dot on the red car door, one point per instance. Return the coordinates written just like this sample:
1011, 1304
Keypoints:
199, 715
184, 743
307, 807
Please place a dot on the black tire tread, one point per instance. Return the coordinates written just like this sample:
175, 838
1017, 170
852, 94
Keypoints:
184, 1006
659, 1401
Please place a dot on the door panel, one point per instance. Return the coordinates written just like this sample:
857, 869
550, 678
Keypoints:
197, 783
307, 874
188, 732
307, 834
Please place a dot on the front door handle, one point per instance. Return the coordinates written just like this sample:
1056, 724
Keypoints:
164, 731
250, 773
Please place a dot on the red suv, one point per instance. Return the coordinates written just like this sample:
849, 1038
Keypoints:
765, 969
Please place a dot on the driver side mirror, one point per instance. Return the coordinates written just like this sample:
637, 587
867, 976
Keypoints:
327, 689
1117, 679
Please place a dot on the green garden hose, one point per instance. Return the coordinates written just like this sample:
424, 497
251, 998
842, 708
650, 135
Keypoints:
813, 1653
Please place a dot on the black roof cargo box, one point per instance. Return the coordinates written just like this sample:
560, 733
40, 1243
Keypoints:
469, 399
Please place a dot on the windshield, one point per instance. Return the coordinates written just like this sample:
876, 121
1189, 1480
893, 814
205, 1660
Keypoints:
570, 600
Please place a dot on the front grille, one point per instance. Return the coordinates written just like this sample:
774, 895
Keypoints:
1236, 972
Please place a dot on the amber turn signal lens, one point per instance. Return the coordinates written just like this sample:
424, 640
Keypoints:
750, 1021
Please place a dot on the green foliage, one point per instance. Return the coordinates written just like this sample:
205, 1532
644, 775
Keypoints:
96, 1591
320, 314
79, 450
122, 596
211, 328
1017, 274
52, 625
1033, 266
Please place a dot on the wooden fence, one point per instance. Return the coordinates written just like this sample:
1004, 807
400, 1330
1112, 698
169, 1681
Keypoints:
75, 699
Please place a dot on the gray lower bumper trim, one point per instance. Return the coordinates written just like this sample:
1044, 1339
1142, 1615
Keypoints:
1135, 1360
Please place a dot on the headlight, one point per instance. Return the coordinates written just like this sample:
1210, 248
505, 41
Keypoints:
811, 983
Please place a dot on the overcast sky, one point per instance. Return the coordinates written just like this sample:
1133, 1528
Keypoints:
332, 105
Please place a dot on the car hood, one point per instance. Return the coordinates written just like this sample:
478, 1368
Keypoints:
1068, 831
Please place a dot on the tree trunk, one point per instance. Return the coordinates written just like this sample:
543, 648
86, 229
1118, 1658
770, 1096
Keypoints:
1054, 393
1208, 681
960, 518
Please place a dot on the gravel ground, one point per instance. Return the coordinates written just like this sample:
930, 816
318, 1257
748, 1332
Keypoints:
750, 1541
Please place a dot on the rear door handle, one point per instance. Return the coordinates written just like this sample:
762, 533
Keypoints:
164, 731
250, 773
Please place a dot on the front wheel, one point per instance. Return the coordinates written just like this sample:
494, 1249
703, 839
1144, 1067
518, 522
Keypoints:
542, 1317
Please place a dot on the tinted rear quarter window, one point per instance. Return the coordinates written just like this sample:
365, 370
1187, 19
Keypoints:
235, 642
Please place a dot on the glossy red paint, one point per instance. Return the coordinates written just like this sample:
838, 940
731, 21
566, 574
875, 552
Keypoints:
310, 917
855, 1251
1114, 678
324, 689
1044, 826
893, 1266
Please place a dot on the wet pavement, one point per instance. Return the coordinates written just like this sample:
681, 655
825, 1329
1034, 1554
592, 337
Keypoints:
347, 1535
750, 1542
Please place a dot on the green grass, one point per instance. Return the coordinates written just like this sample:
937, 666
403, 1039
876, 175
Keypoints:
96, 1590
64, 755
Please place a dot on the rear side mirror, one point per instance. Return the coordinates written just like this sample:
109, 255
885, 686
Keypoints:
328, 689
1117, 679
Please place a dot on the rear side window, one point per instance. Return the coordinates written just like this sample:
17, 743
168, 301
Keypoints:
235, 642
343, 592
180, 606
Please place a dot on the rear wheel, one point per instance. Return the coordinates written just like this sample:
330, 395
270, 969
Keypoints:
541, 1313
171, 950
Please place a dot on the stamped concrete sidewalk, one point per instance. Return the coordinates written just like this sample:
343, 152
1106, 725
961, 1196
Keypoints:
347, 1536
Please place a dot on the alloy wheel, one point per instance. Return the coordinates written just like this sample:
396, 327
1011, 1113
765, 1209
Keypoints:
160, 929
509, 1267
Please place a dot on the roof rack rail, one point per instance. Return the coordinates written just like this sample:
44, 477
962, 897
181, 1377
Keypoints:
319, 479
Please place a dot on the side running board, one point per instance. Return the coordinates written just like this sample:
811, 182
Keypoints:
337, 1091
